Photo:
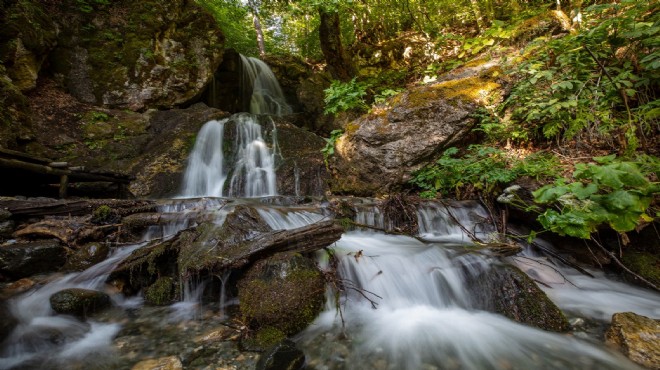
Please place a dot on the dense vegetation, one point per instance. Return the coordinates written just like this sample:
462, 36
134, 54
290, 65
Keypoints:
587, 92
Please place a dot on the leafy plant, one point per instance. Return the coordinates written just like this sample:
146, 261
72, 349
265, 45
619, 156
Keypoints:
343, 96
481, 168
329, 148
98, 116
385, 94
612, 192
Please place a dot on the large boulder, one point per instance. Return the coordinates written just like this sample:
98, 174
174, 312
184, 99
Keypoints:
79, 302
280, 296
25, 259
638, 337
136, 55
379, 151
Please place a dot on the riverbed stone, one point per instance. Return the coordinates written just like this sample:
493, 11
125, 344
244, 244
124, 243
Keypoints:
79, 302
163, 363
25, 259
280, 296
637, 336
282, 356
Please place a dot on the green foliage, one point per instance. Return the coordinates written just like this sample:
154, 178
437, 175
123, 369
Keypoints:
343, 96
98, 116
329, 148
611, 192
236, 24
596, 84
87, 6
481, 168
381, 97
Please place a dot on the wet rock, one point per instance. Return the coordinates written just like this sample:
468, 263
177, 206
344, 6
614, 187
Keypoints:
4, 214
8, 322
379, 151
163, 363
79, 302
644, 264
16, 287
25, 259
637, 336
87, 256
161, 292
282, 356
6, 228
510, 292
280, 296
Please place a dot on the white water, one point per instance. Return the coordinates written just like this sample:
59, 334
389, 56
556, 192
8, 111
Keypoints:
41, 335
418, 314
267, 96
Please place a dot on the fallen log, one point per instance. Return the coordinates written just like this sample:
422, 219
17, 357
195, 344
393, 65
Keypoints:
50, 207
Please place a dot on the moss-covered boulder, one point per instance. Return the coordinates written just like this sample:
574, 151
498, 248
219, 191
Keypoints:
644, 264
160, 293
280, 296
506, 290
379, 151
79, 302
638, 337
136, 55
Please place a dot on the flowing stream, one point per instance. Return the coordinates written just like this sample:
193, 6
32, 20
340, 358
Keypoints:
407, 303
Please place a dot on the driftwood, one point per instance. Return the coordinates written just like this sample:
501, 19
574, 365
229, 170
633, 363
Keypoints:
141, 221
70, 231
50, 207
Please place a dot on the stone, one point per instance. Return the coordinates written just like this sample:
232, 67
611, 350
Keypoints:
87, 256
379, 151
79, 302
163, 363
160, 293
508, 291
637, 336
281, 296
25, 259
6, 228
139, 55
8, 322
282, 356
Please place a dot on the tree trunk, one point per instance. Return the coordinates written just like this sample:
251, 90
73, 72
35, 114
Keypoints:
477, 14
339, 65
260, 33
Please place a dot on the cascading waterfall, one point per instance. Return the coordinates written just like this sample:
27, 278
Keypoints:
260, 84
409, 307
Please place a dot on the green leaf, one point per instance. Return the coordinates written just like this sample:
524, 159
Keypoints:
581, 191
549, 193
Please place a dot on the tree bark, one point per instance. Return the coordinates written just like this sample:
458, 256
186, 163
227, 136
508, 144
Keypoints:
260, 34
339, 65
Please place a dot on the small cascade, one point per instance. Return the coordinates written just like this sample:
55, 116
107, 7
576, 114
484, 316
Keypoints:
260, 84
407, 306
205, 173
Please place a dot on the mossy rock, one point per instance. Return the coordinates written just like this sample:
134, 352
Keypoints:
86, 256
644, 264
282, 356
79, 302
637, 336
506, 290
284, 293
160, 293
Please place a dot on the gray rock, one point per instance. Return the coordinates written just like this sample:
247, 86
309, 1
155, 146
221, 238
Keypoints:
379, 151
79, 302
26, 259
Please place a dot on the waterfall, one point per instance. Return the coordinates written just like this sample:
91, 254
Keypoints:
252, 169
260, 84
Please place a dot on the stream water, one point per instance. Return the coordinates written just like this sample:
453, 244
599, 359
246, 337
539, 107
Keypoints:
408, 303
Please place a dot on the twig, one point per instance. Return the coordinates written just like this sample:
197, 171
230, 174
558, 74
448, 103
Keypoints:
618, 262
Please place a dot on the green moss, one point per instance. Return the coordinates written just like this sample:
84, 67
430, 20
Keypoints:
268, 336
161, 292
644, 264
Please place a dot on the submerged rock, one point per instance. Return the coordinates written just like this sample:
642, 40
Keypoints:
637, 336
163, 363
25, 259
280, 296
282, 356
79, 302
